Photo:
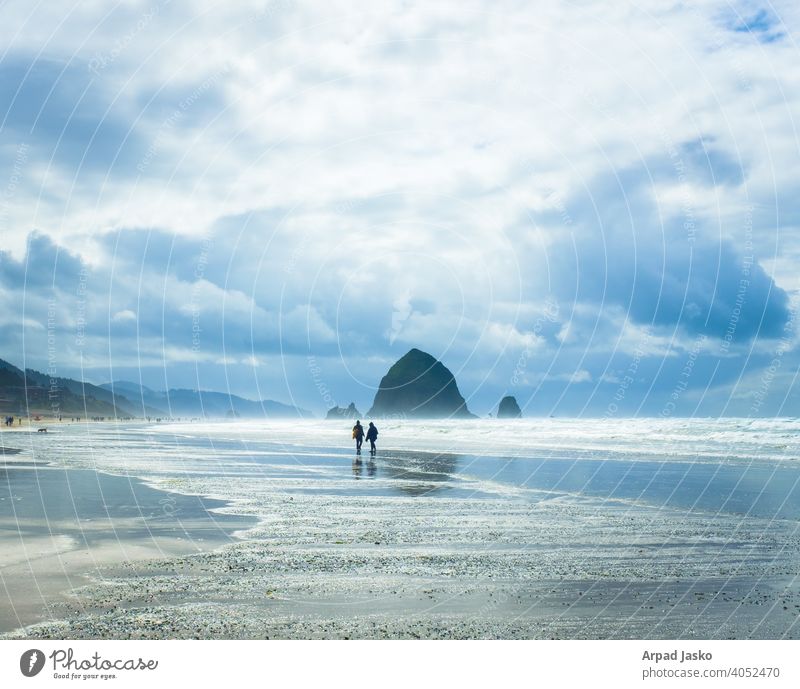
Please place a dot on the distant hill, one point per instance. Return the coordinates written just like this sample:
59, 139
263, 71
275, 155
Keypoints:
418, 385
32, 392
201, 403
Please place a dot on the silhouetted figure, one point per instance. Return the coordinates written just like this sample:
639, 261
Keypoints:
372, 436
358, 435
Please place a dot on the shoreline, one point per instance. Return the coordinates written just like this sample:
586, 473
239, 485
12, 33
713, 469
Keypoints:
106, 523
416, 550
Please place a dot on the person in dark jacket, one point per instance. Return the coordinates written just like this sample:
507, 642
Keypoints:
358, 435
372, 436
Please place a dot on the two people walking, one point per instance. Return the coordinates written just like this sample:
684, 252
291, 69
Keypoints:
371, 435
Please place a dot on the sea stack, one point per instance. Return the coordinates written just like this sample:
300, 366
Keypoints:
509, 409
344, 413
418, 385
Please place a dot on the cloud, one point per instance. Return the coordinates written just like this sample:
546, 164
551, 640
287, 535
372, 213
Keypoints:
665, 270
124, 316
263, 182
579, 376
47, 266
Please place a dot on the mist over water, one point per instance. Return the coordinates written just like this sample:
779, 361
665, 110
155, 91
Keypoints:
738, 467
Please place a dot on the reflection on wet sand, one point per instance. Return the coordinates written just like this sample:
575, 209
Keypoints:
415, 473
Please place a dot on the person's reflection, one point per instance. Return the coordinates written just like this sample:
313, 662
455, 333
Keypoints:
419, 473
372, 468
357, 468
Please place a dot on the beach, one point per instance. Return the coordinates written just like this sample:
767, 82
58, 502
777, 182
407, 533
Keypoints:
62, 528
455, 529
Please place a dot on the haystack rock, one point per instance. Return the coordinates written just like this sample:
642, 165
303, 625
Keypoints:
509, 409
344, 413
418, 385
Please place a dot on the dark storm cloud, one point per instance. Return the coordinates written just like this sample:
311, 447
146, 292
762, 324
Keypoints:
666, 270
67, 112
45, 265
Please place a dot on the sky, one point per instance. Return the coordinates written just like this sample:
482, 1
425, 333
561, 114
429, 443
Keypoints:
591, 206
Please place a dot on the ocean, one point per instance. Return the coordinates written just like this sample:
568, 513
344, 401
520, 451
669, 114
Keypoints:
736, 467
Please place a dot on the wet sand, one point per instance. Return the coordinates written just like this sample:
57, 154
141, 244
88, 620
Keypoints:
437, 545
423, 567
61, 529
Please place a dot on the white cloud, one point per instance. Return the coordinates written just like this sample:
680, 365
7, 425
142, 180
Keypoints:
124, 316
329, 102
385, 151
581, 376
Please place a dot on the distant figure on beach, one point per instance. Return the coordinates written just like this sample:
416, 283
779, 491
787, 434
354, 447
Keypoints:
372, 436
358, 435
